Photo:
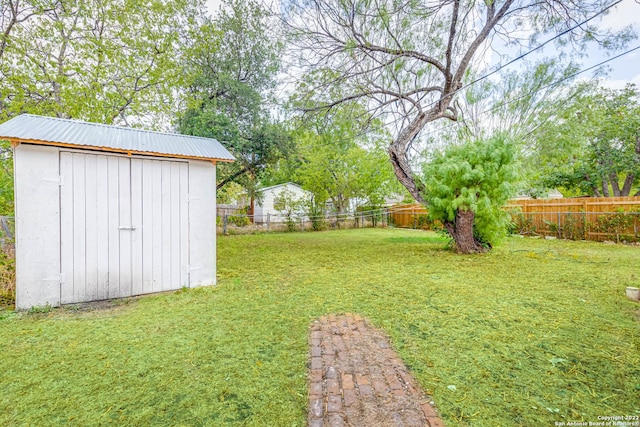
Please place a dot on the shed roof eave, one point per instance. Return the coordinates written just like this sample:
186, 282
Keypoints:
17, 141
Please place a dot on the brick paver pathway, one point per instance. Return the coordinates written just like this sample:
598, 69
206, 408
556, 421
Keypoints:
356, 379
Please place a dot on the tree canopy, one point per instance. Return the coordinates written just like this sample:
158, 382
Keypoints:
113, 62
407, 59
234, 59
341, 160
592, 147
467, 185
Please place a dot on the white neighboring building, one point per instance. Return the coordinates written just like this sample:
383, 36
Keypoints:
551, 194
264, 208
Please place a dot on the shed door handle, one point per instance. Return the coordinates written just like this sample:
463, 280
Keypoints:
126, 228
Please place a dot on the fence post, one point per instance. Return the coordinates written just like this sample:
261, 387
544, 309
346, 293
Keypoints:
559, 231
224, 224
586, 231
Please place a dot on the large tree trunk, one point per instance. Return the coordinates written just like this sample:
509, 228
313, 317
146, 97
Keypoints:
399, 160
614, 184
461, 229
628, 183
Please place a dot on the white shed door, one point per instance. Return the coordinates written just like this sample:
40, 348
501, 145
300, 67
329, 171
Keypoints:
124, 226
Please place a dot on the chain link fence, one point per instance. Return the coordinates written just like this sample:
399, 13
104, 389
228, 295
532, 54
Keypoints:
238, 223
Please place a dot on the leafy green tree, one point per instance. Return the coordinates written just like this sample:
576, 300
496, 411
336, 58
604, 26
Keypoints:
98, 60
593, 145
466, 187
408, 60
234, 60
6, 179
291, 207
518, 105
341, 160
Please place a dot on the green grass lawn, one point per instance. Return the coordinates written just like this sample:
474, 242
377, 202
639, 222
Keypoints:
533, 333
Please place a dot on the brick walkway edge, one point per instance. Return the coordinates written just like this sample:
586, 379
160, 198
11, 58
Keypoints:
356, 379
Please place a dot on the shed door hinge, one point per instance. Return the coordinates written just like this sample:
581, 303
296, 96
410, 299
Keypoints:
56, 278
58, 179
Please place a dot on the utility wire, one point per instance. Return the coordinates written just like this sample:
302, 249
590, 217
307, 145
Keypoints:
522, 56
533, 92
540, 46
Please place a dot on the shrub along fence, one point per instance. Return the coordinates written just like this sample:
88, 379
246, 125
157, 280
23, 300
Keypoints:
7, 262
584, 218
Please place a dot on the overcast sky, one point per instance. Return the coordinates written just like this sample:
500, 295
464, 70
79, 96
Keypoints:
627, 68
622, 70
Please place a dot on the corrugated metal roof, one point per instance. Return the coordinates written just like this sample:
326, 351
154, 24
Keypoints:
74, 133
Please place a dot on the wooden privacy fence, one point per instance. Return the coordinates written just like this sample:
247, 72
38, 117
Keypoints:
585, 218
408, 216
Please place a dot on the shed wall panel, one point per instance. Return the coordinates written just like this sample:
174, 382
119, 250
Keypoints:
102, 218
79, 223
184, 223
113, 221
91, 228
165, 227
137, 250
147, 225
66, 228
124, 288
202, 224
37, 211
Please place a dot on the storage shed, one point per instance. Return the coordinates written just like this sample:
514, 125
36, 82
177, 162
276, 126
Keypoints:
107, 212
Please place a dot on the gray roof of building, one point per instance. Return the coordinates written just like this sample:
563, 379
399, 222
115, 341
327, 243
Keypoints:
73, 133
279, 185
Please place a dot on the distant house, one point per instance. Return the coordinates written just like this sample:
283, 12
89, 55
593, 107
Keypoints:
551, 194
265, 202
